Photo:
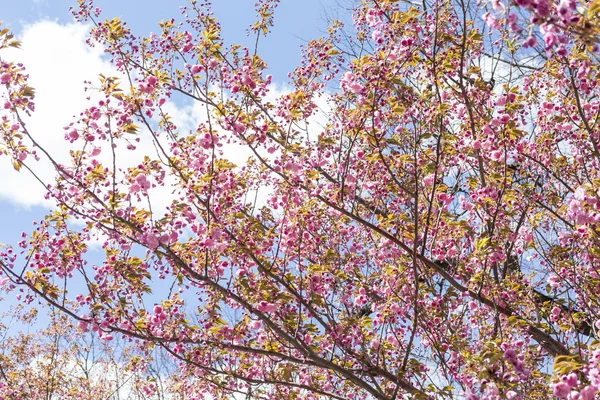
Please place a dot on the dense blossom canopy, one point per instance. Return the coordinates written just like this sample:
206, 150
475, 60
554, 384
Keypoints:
418, 215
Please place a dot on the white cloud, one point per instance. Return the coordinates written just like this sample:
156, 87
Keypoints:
58, 62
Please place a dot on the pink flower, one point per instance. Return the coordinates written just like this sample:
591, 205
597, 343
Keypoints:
530, 42
349, 82
376, 36
372, 17
248, 81
579, 193
428, 180
491, 21
510, 355
496, 155
292, 167
561, 390
146, 88
555, 314
83, 325
5, 78
594, 374
151, 241
266, 307
73, 135
308, 338
571, 379
588, 392
127, 325
197, 69
361, 300
543, 8
149, 85
553, 281
564, 9
254, 324
511, 395
143, 182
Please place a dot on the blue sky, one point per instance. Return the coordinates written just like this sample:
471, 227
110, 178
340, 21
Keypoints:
296, 21
58, 61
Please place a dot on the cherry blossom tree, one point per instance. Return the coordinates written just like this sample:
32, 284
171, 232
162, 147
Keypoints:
58, 362
417, 216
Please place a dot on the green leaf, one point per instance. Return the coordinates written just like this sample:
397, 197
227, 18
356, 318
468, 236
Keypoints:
481, 243
566, 364
593, 9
